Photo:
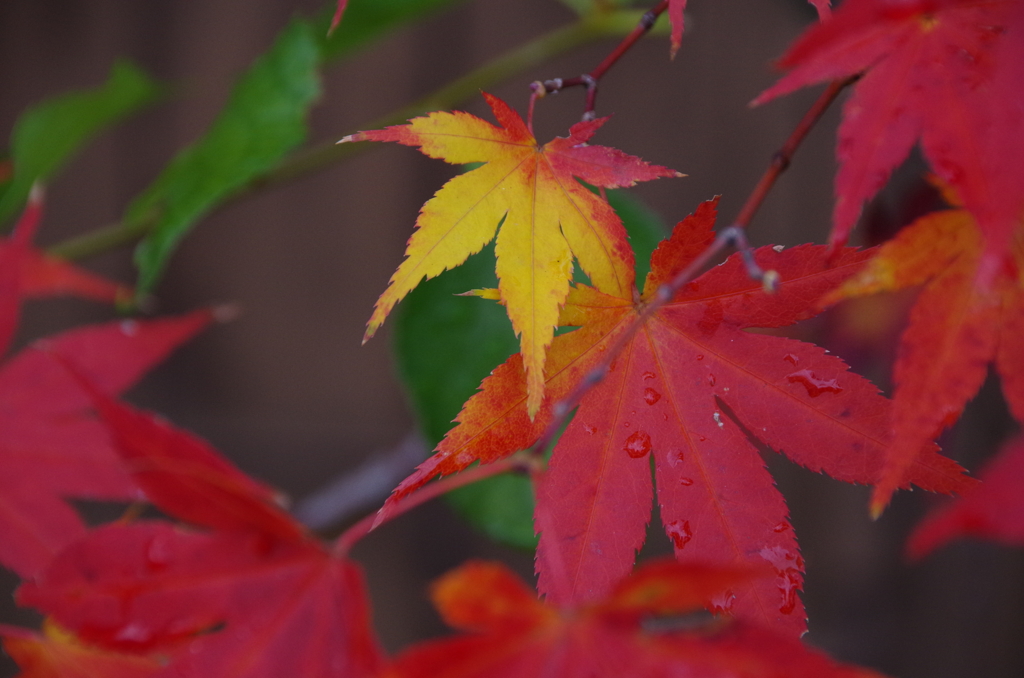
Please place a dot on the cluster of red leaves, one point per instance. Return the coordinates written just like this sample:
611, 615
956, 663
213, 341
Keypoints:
696, 393
244, 591
691, 389
945, 73
235, 587
231, 585
648, 626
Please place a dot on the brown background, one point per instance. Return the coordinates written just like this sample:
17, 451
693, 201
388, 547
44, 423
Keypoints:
288, 392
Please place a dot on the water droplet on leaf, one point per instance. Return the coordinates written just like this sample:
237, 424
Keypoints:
789, 584
790, 358
722, 602
711, 380
781, 527
638, 444
700, 356
651, 396
590, 429
679, 532
686, 482
648, 375
815, 386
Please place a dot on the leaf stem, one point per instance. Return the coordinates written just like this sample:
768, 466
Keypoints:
664, 294
587, 29
784, 156
590, 80
517, 462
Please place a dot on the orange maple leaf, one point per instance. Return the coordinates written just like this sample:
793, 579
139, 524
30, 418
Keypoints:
649, 626
58, 654
957, 327
549, 217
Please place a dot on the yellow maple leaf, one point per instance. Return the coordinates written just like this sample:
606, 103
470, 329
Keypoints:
549, 218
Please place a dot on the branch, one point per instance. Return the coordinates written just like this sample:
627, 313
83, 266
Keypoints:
588, 29
782, 158
362, 487
590, 80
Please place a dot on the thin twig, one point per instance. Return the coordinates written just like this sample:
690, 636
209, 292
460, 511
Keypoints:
782, 158
354, 491
540, 89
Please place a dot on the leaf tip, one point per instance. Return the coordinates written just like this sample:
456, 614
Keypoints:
336, 19
484, 293
879, 500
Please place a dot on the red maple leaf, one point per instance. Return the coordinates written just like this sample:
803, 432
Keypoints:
958, 326
52, 446
691, 389
286, 604
510, 634
938, 71
25, 272
994, 510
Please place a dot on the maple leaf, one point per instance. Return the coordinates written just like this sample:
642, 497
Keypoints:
957, 327
994, 510
286, 604
58, 654
25, 272
938, 71
549, 217
673, 393
514, 635
676, 10
52, 447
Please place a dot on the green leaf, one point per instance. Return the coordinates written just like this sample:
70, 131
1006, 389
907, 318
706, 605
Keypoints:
445, 345
366, 20
264, 118
646, 228
49, 133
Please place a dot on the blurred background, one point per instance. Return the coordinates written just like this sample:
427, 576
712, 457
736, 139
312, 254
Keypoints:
288, 392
